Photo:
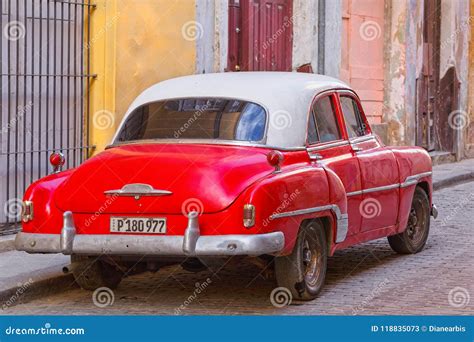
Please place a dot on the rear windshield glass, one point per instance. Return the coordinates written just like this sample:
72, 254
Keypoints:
208, 118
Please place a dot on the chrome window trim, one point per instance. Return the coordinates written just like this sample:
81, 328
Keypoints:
329, 145
362, 139
342, 219
410, 180
206, 142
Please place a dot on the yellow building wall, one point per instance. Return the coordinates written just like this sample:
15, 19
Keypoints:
134, 44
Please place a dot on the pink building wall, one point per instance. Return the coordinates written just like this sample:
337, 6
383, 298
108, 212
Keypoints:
363, 51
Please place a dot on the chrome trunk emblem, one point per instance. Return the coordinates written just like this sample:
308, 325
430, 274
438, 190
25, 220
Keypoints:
137, 190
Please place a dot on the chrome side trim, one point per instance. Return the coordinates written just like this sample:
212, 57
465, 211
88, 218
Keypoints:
410, 180
342, 219
381, 188
138, 189
330, 145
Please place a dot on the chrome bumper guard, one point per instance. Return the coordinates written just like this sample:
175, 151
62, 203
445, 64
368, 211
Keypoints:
191, 244
434, 211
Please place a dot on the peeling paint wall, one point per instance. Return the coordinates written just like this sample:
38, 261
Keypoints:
394, 97
469, 148
362, 49
305, 35
211, 47
455, 26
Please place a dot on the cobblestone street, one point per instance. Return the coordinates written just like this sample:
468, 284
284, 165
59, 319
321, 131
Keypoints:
366, 279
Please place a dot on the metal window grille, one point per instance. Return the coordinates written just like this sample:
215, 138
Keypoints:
45, 70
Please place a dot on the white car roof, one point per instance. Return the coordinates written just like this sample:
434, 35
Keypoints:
286, 96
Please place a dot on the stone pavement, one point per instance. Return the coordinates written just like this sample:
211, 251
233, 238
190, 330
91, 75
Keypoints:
364, 280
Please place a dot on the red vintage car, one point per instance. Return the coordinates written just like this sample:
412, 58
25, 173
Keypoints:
280, 166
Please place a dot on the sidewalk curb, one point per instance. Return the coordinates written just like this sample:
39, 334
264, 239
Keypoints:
21, 293
7, 243
448, 182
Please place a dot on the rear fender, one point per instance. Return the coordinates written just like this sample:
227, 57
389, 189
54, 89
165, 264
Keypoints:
284, 200
412, 161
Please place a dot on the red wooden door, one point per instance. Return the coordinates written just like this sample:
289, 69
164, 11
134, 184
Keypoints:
260, 35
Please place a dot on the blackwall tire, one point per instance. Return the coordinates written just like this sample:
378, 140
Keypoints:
413, 239
303, 272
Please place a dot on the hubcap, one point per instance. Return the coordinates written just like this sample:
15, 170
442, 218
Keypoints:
416, 223
312, 262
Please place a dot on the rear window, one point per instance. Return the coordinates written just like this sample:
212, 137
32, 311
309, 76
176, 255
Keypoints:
208, 118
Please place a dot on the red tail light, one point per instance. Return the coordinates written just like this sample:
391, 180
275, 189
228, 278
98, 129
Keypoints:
275, 158
57, 160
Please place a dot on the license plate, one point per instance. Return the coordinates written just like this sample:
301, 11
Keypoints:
143, 225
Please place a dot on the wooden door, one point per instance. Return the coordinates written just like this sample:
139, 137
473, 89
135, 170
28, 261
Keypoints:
260, 35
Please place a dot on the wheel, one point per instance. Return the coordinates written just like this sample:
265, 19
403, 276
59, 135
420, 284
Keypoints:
413, 239
304, 270
91, 273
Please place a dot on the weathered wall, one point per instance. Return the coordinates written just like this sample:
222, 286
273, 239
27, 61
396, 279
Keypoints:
362, 53
454, 52
212, 17
306, 35
469, 151
137, 44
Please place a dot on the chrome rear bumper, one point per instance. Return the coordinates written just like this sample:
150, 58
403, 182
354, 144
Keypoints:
191, 244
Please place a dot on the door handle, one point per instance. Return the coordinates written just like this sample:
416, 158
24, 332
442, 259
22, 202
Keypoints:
315, 156
356, 149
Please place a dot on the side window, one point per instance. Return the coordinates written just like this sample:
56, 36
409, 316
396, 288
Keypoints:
312, 132
354, 124
326, 122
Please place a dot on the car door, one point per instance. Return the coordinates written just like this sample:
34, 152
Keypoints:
379, 198
327, 145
